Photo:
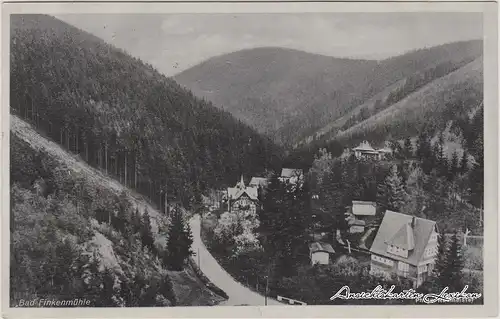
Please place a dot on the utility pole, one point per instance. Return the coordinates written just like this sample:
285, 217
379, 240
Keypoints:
267, 282
198, 253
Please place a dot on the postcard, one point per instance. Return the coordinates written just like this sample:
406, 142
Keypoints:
239, 159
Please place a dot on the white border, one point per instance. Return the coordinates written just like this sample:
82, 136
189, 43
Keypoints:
490, 13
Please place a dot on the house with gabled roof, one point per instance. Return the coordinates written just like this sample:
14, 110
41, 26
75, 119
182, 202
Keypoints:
365, 150
242, 198
320, 253
406, 246
291, 175
258, 182
360, 214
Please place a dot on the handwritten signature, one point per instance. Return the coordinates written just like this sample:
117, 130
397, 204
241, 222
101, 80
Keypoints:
380, 293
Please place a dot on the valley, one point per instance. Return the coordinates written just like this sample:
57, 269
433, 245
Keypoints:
265, 176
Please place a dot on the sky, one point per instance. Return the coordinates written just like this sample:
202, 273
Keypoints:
175, 42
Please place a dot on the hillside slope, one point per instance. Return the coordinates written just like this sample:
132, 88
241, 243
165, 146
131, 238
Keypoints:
60, 202
290, 94
269, 88
450, 98
123, 117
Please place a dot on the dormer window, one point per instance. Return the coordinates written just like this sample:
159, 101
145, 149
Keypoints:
398, 251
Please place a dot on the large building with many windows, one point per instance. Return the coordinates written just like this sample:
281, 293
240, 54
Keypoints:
242, 198
406, 246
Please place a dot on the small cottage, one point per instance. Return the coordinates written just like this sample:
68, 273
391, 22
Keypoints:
258, 182
291, 175
357, 226
319, 253
359, 214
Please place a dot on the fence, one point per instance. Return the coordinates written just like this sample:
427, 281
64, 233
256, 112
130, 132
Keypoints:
290, 301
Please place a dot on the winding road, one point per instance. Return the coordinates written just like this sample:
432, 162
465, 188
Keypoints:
238, 294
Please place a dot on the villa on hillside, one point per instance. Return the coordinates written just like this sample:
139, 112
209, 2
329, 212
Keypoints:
242, 198
366, 151
406, 246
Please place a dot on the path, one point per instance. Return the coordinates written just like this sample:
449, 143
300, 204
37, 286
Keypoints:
238, 294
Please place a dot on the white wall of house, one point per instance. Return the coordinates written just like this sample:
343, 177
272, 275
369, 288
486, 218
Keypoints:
356, 229
320, 257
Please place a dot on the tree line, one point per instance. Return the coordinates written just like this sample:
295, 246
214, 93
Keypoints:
121, 116
52, 238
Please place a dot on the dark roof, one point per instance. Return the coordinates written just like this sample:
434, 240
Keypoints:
319, 246
396, 229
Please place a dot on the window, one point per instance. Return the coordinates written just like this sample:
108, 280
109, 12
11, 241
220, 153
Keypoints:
382, 260
404, 268
433, 237
422, 269
430, 251
430, 268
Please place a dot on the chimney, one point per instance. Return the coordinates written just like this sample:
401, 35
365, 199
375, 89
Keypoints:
412, 223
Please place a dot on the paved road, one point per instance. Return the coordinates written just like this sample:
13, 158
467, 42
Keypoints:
238, 294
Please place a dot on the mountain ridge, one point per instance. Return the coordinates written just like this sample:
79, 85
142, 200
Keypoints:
289, 94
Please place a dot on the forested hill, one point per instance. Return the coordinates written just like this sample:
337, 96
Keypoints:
122, 116
296, 95
279, 91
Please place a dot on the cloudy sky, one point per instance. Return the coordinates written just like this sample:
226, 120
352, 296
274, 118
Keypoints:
175, 42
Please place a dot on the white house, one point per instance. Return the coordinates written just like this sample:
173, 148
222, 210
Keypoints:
319, 253
365, 150
359, 214
405, 245
242, 198
357, 226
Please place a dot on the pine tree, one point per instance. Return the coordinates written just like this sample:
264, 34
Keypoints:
397, 150
179, 242
408, 148
451, 276
146, 232
136, 221
283, 221
441, 262
476, 178
453, 167
271, 215
107, 292
92, 281
382, 197
395, 190
464, 162
422, 146
424, 153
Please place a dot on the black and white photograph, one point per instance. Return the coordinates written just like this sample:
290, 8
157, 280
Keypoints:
247, 159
